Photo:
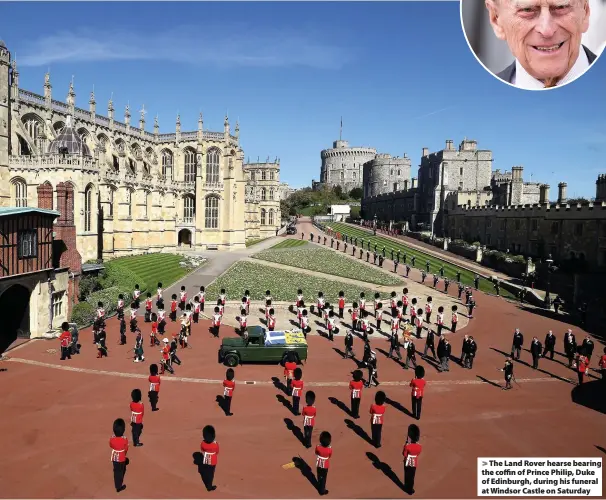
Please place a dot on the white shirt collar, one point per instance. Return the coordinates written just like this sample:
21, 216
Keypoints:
524, 81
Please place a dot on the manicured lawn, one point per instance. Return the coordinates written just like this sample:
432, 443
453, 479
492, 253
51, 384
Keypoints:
450, 270
327, 261
250, 243
283, 284
151, 269
289, 243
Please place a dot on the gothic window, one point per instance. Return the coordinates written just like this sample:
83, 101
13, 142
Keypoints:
88, 208
399, 172
190, 166
116, 163
189, 208
263, 175
271, 217
271, 194
212, 166
167, 164
212, 212
461, 171
263, 214
263, 194
272, 175
252, 175
354, 176
20, 193
35, 129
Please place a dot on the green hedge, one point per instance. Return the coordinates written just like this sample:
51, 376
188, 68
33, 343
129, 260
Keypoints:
83, 314
120, 276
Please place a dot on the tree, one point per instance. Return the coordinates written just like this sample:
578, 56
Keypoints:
338, 191
356, 193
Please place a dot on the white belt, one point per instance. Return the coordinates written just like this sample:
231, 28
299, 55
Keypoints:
296, 391
226, 391
355, 393
152, 387
376, 418
410, 460
307, 421
207, 458
320, 461
115, 455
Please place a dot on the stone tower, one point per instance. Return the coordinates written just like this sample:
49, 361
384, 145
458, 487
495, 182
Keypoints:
600, 188
5, 121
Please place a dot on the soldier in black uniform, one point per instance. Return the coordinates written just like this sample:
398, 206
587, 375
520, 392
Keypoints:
367, 256
435, 280
375, 246
411, 353
407, 270
394, 345
383, 251
470, 306
412, 260
311, 237
508, 372
535, 349
372, 370
497, 287
374, 261
427, 266
404, 257
356, 241
429, 343
518, 342
570, 347
472, 348
587, 346
446, 284
550, 342
395, 266
391, 254
459, 278
467, 294
423, 276
381, 259
476, 282
348, 345
74, 347
338, 243
461, 288
366, 355
332, 242
464, 346
361, 252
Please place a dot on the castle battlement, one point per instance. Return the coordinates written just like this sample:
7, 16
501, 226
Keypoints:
531, 209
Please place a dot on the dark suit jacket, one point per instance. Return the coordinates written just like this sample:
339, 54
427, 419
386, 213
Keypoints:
509, 73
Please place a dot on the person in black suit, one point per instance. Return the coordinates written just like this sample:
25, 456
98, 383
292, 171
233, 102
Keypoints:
550, 342
518, 342
587, 346
472, 348
546, 45
570, 347
535, 350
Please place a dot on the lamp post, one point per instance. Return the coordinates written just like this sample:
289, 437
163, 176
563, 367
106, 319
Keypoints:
550, 270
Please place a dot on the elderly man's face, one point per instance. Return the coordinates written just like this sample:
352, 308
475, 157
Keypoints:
543, 35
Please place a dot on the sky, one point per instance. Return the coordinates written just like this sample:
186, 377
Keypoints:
400, 74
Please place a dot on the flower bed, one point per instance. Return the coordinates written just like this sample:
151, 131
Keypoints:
283, 284
328, 262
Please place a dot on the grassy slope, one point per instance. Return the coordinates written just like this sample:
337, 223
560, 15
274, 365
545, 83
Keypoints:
450, 270
289, 243
327, 261
152, 268
283, 284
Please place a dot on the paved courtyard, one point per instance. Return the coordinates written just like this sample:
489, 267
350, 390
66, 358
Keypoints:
59, 414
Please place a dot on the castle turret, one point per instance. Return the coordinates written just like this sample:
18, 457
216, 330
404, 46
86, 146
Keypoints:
71, 98
226, 128
200, 135
142, 118
5, 119
92, 105
110, 112
562, 192
178, 128
600, 188
425, 152
48, 92
237, 132
544, 194
127, 116
156, 127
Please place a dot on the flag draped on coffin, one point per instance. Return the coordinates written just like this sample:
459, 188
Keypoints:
285, 338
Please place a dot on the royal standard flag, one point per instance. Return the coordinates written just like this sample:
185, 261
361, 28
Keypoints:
288, 337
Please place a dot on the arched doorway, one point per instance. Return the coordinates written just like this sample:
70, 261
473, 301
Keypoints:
14, 308
185, 237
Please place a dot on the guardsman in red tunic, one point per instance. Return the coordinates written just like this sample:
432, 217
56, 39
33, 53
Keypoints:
362, 302
413, 311
419, 322
323, 455
137, 296
418, 389
299, 298
243, 320
300, 308
221, 307
216, 321
133, 318
454, 320
119, 445
377, 414
148, 307
271, 320
341, 304
309, 417
159, 292
412, 450
223, 296
582, 366
173, 308
65, 340
379, 315
327, 308
196, 308
137, 410
210, 449
247, 295
297, 390
440, 320
153, 339
355, 316
404, 300
376, 302
305, 328
393, 303
268, 299
154, 386
355, 388
229, 385
320, 303
289, 371
182, 298
428, 310
161, 318
166, 365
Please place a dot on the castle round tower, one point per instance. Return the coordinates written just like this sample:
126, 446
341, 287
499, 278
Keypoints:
386, 174
342, 165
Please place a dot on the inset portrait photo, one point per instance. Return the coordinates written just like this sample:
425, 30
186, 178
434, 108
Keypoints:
535, 44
